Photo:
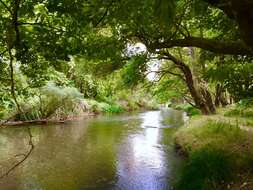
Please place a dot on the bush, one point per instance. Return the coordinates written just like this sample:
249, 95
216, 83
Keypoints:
51, 101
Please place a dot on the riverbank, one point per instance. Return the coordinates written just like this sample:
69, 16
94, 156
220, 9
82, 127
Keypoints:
219, 151
61, 113
46, 121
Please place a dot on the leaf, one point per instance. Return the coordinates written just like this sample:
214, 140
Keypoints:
165, 11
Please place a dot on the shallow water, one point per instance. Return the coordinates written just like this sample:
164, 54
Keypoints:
123, 152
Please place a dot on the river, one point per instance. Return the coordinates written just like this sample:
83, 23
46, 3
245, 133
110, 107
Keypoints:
117, 152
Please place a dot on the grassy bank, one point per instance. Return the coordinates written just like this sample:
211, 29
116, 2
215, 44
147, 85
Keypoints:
61, 103
219, 150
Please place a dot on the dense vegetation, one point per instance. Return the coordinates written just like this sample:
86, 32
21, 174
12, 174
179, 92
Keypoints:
62, 58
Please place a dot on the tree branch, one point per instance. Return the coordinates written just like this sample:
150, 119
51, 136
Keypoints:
30, 143
221, 47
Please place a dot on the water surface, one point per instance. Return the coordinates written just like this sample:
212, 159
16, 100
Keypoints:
123, 152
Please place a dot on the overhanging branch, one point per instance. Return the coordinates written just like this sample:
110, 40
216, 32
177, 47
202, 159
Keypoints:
221, 47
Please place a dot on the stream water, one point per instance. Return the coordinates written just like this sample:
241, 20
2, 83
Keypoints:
122, 152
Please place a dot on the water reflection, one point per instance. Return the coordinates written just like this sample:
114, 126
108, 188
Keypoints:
107, 152
143, 162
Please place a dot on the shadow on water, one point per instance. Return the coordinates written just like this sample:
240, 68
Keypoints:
123, 152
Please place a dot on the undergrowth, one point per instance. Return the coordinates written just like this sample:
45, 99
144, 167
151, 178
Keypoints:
217, 151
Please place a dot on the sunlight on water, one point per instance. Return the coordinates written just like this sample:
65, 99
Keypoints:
124, 152
151, 119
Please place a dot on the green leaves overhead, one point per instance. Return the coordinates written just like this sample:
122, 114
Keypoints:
134, 71
165, 11
236, 78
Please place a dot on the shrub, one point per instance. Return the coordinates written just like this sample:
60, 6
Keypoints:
52, 101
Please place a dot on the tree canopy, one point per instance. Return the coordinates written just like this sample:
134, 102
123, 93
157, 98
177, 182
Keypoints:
195, 41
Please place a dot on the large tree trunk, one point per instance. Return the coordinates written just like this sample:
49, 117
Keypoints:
201, 97
220, 96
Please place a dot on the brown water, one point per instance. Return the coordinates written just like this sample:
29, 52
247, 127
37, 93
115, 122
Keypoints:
123, 152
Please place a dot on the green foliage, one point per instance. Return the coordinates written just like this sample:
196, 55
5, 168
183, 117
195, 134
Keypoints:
168, 89
206, 169
188, 108
218, 150
80, 43
244, 108
245, 102
240, 112
237, 78
134, 71
102, 107
52, 101
113, 109
165, 11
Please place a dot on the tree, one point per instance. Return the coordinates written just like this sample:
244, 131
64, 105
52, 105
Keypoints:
164, 25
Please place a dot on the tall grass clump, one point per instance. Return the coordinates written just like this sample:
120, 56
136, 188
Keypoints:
50, 102
103, 107
217, 151
206, 169
244, 108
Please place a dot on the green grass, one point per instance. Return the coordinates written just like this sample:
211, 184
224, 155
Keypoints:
206, 169
113, 109
216, 147
240, 112
187, 108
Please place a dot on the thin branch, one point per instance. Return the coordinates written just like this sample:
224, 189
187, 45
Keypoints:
30, 143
